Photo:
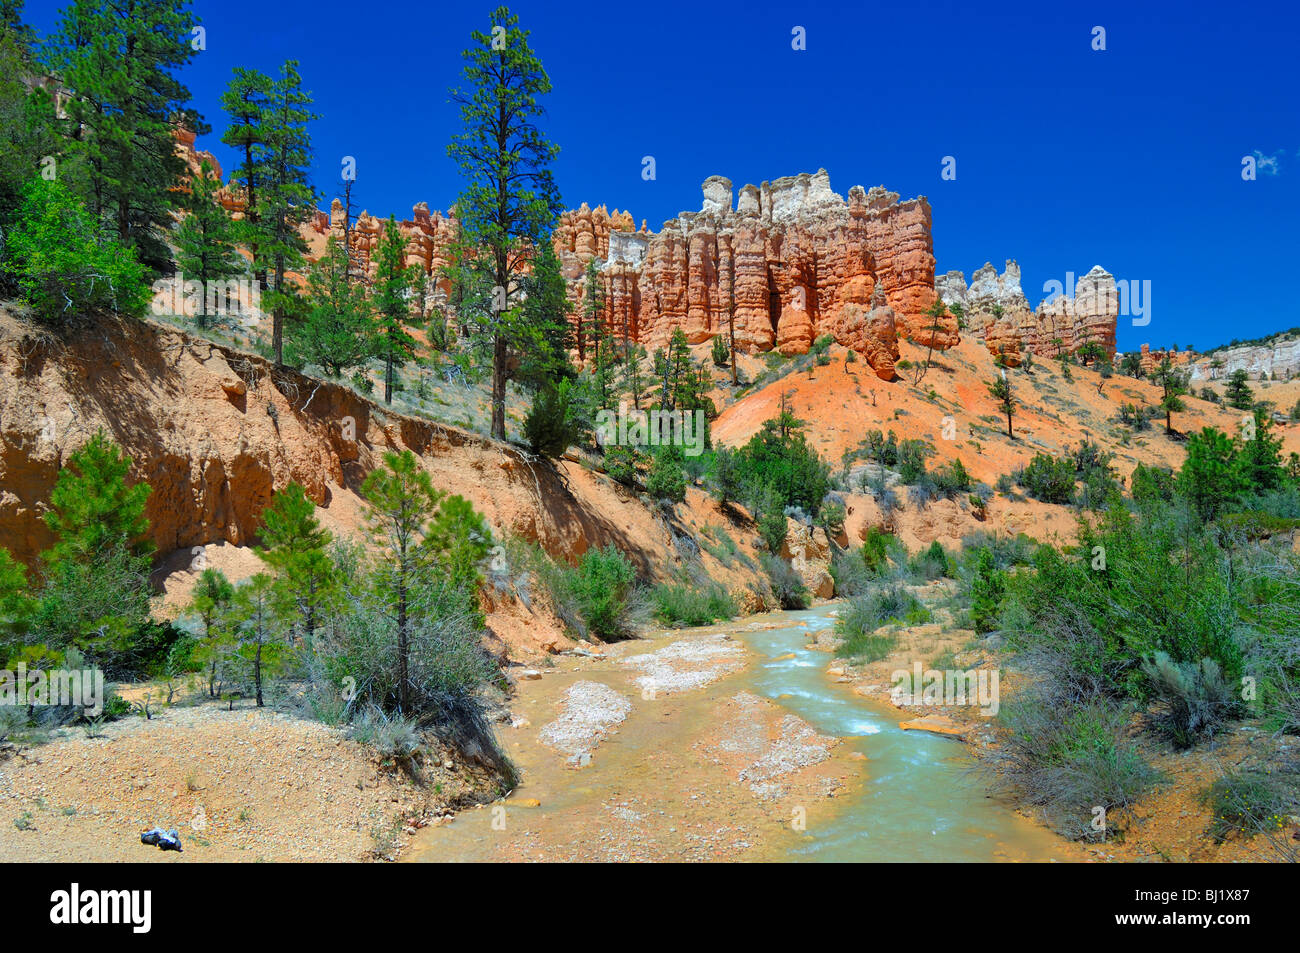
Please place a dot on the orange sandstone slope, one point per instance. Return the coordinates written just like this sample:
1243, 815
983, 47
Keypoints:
215, 432
841, 401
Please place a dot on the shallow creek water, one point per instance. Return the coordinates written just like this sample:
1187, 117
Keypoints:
920, 801
646, 794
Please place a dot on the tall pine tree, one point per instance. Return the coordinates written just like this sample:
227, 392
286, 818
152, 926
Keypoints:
391, 299
510, 200
205, 240
119, 60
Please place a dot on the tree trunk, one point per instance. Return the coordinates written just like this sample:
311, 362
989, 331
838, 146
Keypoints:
499, 387
403, 651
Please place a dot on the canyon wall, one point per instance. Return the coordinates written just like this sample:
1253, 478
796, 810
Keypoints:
1275, 359
789, 261
1088, 316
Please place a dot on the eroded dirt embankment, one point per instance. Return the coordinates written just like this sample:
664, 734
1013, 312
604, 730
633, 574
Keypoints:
215, 432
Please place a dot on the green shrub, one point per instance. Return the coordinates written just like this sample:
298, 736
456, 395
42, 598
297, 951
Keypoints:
685, 605
665, 479
1049, 479
876, 548
550, 427
986, 590
1253, 802
930, 564
621, 465
64, 266
602, 585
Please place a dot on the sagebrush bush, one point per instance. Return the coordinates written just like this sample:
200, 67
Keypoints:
859, 622
393, 737
1069, 759
1192, 698
787, 585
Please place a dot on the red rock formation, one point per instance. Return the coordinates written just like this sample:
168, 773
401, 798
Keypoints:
790, 262
793, 259
1061, 325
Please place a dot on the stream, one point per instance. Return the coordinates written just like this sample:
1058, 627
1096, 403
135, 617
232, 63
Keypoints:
648, 794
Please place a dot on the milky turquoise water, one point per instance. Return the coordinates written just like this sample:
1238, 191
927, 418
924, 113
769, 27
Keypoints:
921, 800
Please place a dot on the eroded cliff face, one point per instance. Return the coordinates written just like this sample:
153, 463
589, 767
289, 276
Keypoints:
1278, 359
787, 262
1061, 324
215, 432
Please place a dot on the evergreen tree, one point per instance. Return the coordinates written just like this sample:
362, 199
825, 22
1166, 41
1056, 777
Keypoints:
1259, 461
205, 240
293, 545
119, 61
211, 601
1237, 392
402, 500
391, 300
246, 103
1173, 385
510, 201
1209, 477
286, 199
1000, 390
335, 332
92, 509
28, 125
987, 587
96, 593
546, 319
257, 627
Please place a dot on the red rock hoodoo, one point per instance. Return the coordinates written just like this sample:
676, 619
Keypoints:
790, 261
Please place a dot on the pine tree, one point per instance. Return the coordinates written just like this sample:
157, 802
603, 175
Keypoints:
1237, 392
1000, 390
402, 500
293, 545
1173, 386
246, 102
205, 240
391, 300
1259, 461
336, 331
1209, 478
210, 601
96, 593
510, 201
986, 591
28, 126
546, 319
257, 627
286, 199
92, 509
119, 61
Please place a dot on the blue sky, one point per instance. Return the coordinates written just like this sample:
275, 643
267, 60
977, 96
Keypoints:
1066, 157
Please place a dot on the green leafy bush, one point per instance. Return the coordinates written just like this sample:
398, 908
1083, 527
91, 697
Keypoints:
65, 268
602, 586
